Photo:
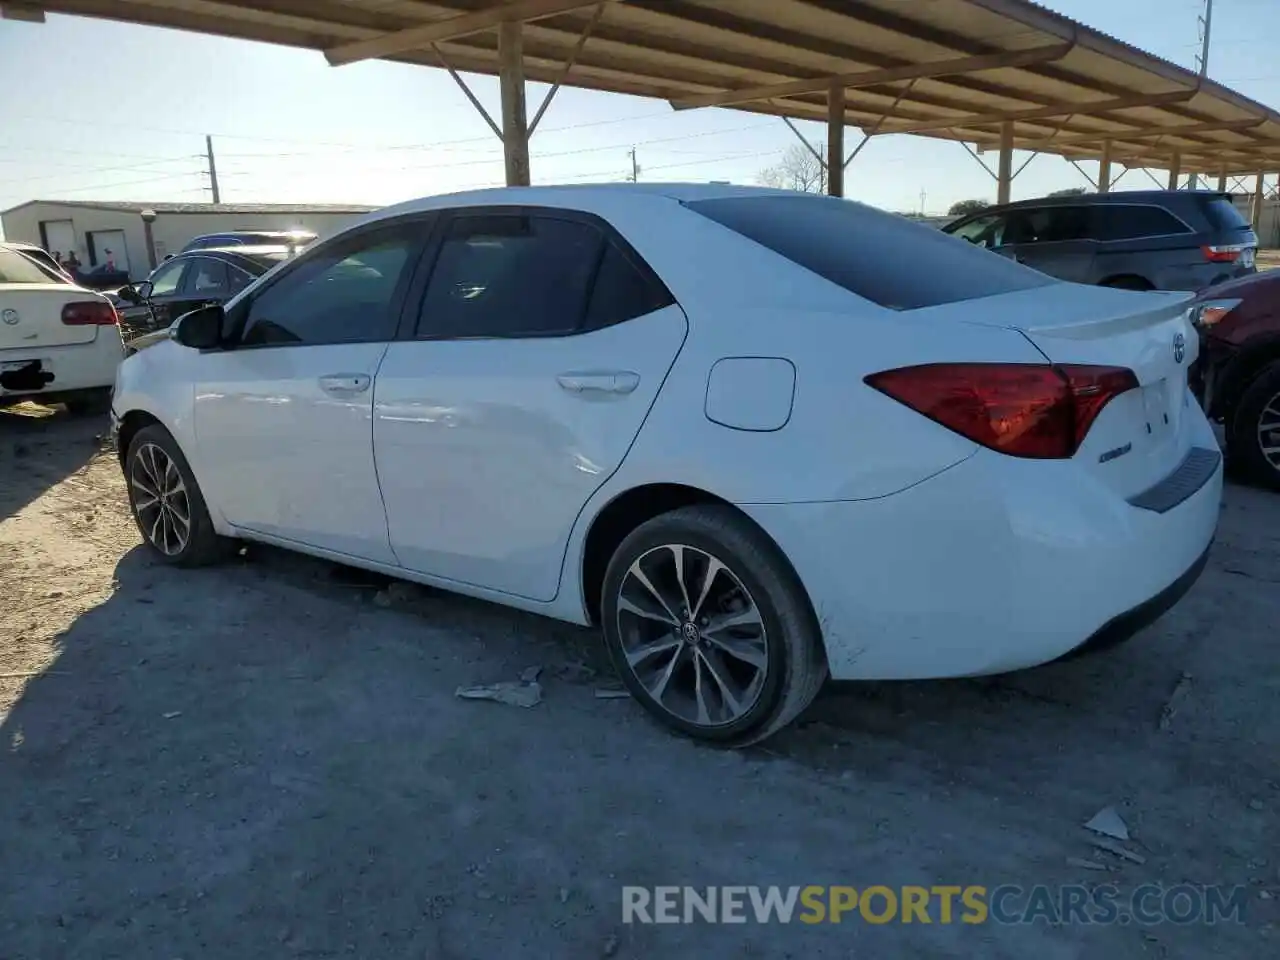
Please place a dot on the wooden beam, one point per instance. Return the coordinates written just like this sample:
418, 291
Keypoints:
1004, 179
1146, 133
835, 140
21, 11
1175, 169
515, 127
869, 78
450, 28
1104, 168
1054, 110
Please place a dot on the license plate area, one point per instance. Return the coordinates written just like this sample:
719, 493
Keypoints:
1159, 409
24, 376
1248, 256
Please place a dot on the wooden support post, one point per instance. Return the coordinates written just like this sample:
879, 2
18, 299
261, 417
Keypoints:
515, 126
1004, 178
1175, 170
1104, 168
835, 139
1256, 218
1222, 181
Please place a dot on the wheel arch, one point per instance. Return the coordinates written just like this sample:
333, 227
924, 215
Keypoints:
130, 423
1251, 360
627, 510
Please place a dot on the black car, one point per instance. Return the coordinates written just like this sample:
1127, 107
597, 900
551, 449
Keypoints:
1138, 240
188, 281
297, 239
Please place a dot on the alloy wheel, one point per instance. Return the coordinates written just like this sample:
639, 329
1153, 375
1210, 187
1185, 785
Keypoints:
1269, 432
160, 499
692, 635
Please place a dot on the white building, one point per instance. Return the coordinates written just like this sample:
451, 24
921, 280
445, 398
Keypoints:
102, 231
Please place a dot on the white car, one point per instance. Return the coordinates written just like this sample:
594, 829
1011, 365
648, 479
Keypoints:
59, 343
756, 436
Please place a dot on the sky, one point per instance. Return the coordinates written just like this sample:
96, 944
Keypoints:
288, 128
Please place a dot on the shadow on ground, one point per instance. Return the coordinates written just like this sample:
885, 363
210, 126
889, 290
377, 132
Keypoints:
45, 445
257, 761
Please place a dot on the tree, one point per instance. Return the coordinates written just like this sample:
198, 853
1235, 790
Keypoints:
1069, 192
963, 208
798, 170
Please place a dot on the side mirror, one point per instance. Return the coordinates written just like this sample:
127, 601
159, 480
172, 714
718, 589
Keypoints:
142, 290
200, 329
129, 293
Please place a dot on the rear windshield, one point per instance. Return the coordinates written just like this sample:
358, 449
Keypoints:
1222, 213
15, 268
879, 256
267, 260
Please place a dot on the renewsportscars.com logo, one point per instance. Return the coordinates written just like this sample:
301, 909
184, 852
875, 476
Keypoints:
1006, 904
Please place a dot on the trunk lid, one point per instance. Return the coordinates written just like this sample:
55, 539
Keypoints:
1141, 436
31, 316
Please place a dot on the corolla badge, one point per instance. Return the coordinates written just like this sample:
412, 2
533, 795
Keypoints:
1179, 347
10, 317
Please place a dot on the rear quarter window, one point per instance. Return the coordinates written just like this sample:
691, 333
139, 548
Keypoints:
16, 268
1124, 221
1223, 215
876, 255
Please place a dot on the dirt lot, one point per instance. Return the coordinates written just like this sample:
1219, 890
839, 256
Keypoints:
261, 761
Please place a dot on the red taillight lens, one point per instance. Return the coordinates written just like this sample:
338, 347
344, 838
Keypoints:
1228, 253
89, 313
1021, 409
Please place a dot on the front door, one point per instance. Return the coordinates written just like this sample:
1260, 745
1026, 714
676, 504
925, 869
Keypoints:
284, 415
166, 285
541, 343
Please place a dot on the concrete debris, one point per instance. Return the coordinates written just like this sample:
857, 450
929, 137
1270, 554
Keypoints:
1085, 864
506, 691
1108, 823
1175, 700
1123, 852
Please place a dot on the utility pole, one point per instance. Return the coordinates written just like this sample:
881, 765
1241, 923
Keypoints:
635, 167
213, 170
1205, 23
922, 196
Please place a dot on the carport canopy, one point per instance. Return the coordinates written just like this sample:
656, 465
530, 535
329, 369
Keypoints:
996, 74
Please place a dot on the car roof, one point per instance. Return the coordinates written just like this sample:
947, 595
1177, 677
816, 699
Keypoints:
1159, 197
573, 197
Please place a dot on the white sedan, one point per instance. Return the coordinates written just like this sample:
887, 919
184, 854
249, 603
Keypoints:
59, 343
757, 437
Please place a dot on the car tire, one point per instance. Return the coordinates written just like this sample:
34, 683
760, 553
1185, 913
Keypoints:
89, 403
167, 504
1257, 416
738, 661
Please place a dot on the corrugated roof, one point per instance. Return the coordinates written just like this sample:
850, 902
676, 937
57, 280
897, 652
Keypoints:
234, 208
1062, 85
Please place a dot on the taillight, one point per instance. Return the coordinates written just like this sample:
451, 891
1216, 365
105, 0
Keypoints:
1024, 410
1212, 312
89, 313
1224, 253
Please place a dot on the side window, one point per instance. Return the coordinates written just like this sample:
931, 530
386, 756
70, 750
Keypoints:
510, 275
621, 292
344, 294
1133, 221
983, 231
1056, 224
209, 277
168, 279
237, 280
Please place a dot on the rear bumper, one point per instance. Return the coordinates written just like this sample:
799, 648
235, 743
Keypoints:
1123, 627
82, 366
985, 569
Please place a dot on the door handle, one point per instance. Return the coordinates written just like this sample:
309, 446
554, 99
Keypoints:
342, 383
609, 381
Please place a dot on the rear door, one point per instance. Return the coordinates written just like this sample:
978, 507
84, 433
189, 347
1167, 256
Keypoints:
31, 302
1052, 239
541, 342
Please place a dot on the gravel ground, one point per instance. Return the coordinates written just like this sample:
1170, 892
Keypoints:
260, 760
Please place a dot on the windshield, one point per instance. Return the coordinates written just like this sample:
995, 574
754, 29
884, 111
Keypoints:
879, 256
17, 268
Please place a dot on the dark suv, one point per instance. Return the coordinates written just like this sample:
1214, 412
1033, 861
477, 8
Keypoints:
1139, 240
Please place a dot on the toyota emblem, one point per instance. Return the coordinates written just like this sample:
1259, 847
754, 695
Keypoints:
10, 317
1179, 347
